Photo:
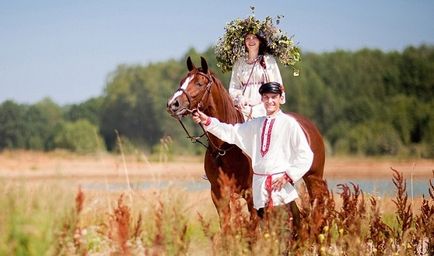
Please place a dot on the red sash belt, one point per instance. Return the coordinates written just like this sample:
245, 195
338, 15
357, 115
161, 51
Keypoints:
268, 186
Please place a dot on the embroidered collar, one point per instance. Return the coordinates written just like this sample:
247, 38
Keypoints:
274, 115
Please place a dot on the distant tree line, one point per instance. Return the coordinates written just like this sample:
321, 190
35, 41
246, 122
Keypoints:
366, 102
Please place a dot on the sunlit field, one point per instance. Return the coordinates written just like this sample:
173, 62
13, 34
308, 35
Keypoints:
64, 204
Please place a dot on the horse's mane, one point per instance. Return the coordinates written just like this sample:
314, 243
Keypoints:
229, 114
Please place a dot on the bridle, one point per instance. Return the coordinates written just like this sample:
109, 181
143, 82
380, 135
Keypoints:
206, 93
196, 139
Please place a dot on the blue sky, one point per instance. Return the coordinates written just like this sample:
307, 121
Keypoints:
66, 49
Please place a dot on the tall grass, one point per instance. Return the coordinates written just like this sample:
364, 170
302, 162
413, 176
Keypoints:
37, 219
29, 217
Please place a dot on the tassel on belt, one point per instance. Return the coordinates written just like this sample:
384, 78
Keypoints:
268, 186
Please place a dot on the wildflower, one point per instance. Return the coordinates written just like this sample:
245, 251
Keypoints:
322, 250
266, 235
321, 237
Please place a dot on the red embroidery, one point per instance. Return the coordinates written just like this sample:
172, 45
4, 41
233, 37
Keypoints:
268, 134
269, 188
208, 121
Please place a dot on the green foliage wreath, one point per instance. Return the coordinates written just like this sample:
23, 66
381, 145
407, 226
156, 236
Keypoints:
230, 46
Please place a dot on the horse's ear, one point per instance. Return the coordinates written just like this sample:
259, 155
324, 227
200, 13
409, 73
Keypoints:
204, 65
190, 64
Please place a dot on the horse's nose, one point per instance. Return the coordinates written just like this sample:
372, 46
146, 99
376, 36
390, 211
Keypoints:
173, 105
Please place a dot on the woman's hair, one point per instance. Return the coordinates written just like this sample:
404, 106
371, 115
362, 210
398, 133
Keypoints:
262, 45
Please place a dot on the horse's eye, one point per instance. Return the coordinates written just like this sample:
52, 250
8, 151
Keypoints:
198, 84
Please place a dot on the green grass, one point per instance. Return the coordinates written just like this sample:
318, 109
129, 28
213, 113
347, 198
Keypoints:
29, 217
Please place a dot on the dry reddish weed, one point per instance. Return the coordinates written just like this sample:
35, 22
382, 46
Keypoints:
119, 226
328, 228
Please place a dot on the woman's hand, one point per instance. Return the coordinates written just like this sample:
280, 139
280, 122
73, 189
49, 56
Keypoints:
247, 111
240, 101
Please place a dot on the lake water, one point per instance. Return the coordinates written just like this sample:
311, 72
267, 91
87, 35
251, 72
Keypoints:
382, 187
379, 187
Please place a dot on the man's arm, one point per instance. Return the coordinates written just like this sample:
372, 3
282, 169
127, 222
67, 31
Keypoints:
302, 155
233, 134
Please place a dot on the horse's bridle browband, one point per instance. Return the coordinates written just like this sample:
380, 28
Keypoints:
194, 139
207, 91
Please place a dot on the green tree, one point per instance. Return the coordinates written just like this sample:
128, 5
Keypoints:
89, 110
12, 125
79, 136
42, 121
403, 115
417, 72
129, 107
371, 138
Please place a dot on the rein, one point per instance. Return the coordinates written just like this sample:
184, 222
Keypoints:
196, 139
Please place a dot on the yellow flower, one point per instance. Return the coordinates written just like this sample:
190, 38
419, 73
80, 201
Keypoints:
322, 250
321, 237
266, 235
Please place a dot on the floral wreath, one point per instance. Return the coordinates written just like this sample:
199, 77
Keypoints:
230, 47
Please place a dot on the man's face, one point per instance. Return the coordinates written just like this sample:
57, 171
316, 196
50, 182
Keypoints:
271, 102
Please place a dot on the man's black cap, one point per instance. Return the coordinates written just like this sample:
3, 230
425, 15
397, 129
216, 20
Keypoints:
271, 87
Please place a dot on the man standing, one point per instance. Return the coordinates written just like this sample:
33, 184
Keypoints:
275, 143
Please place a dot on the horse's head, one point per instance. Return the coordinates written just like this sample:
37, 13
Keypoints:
193, 90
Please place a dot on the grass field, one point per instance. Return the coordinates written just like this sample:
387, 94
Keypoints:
47, 210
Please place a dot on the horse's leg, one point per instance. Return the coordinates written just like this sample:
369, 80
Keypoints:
266, 214
247, 195
296, 219
222, 205
318, 194
221, 202
316, 187
255, 217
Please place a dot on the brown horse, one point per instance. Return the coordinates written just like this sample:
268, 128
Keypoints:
200, 89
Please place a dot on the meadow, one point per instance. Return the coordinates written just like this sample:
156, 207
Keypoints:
49, 207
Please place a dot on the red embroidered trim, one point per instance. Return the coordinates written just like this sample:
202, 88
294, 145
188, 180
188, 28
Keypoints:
288, 179
267, 145
208, 121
